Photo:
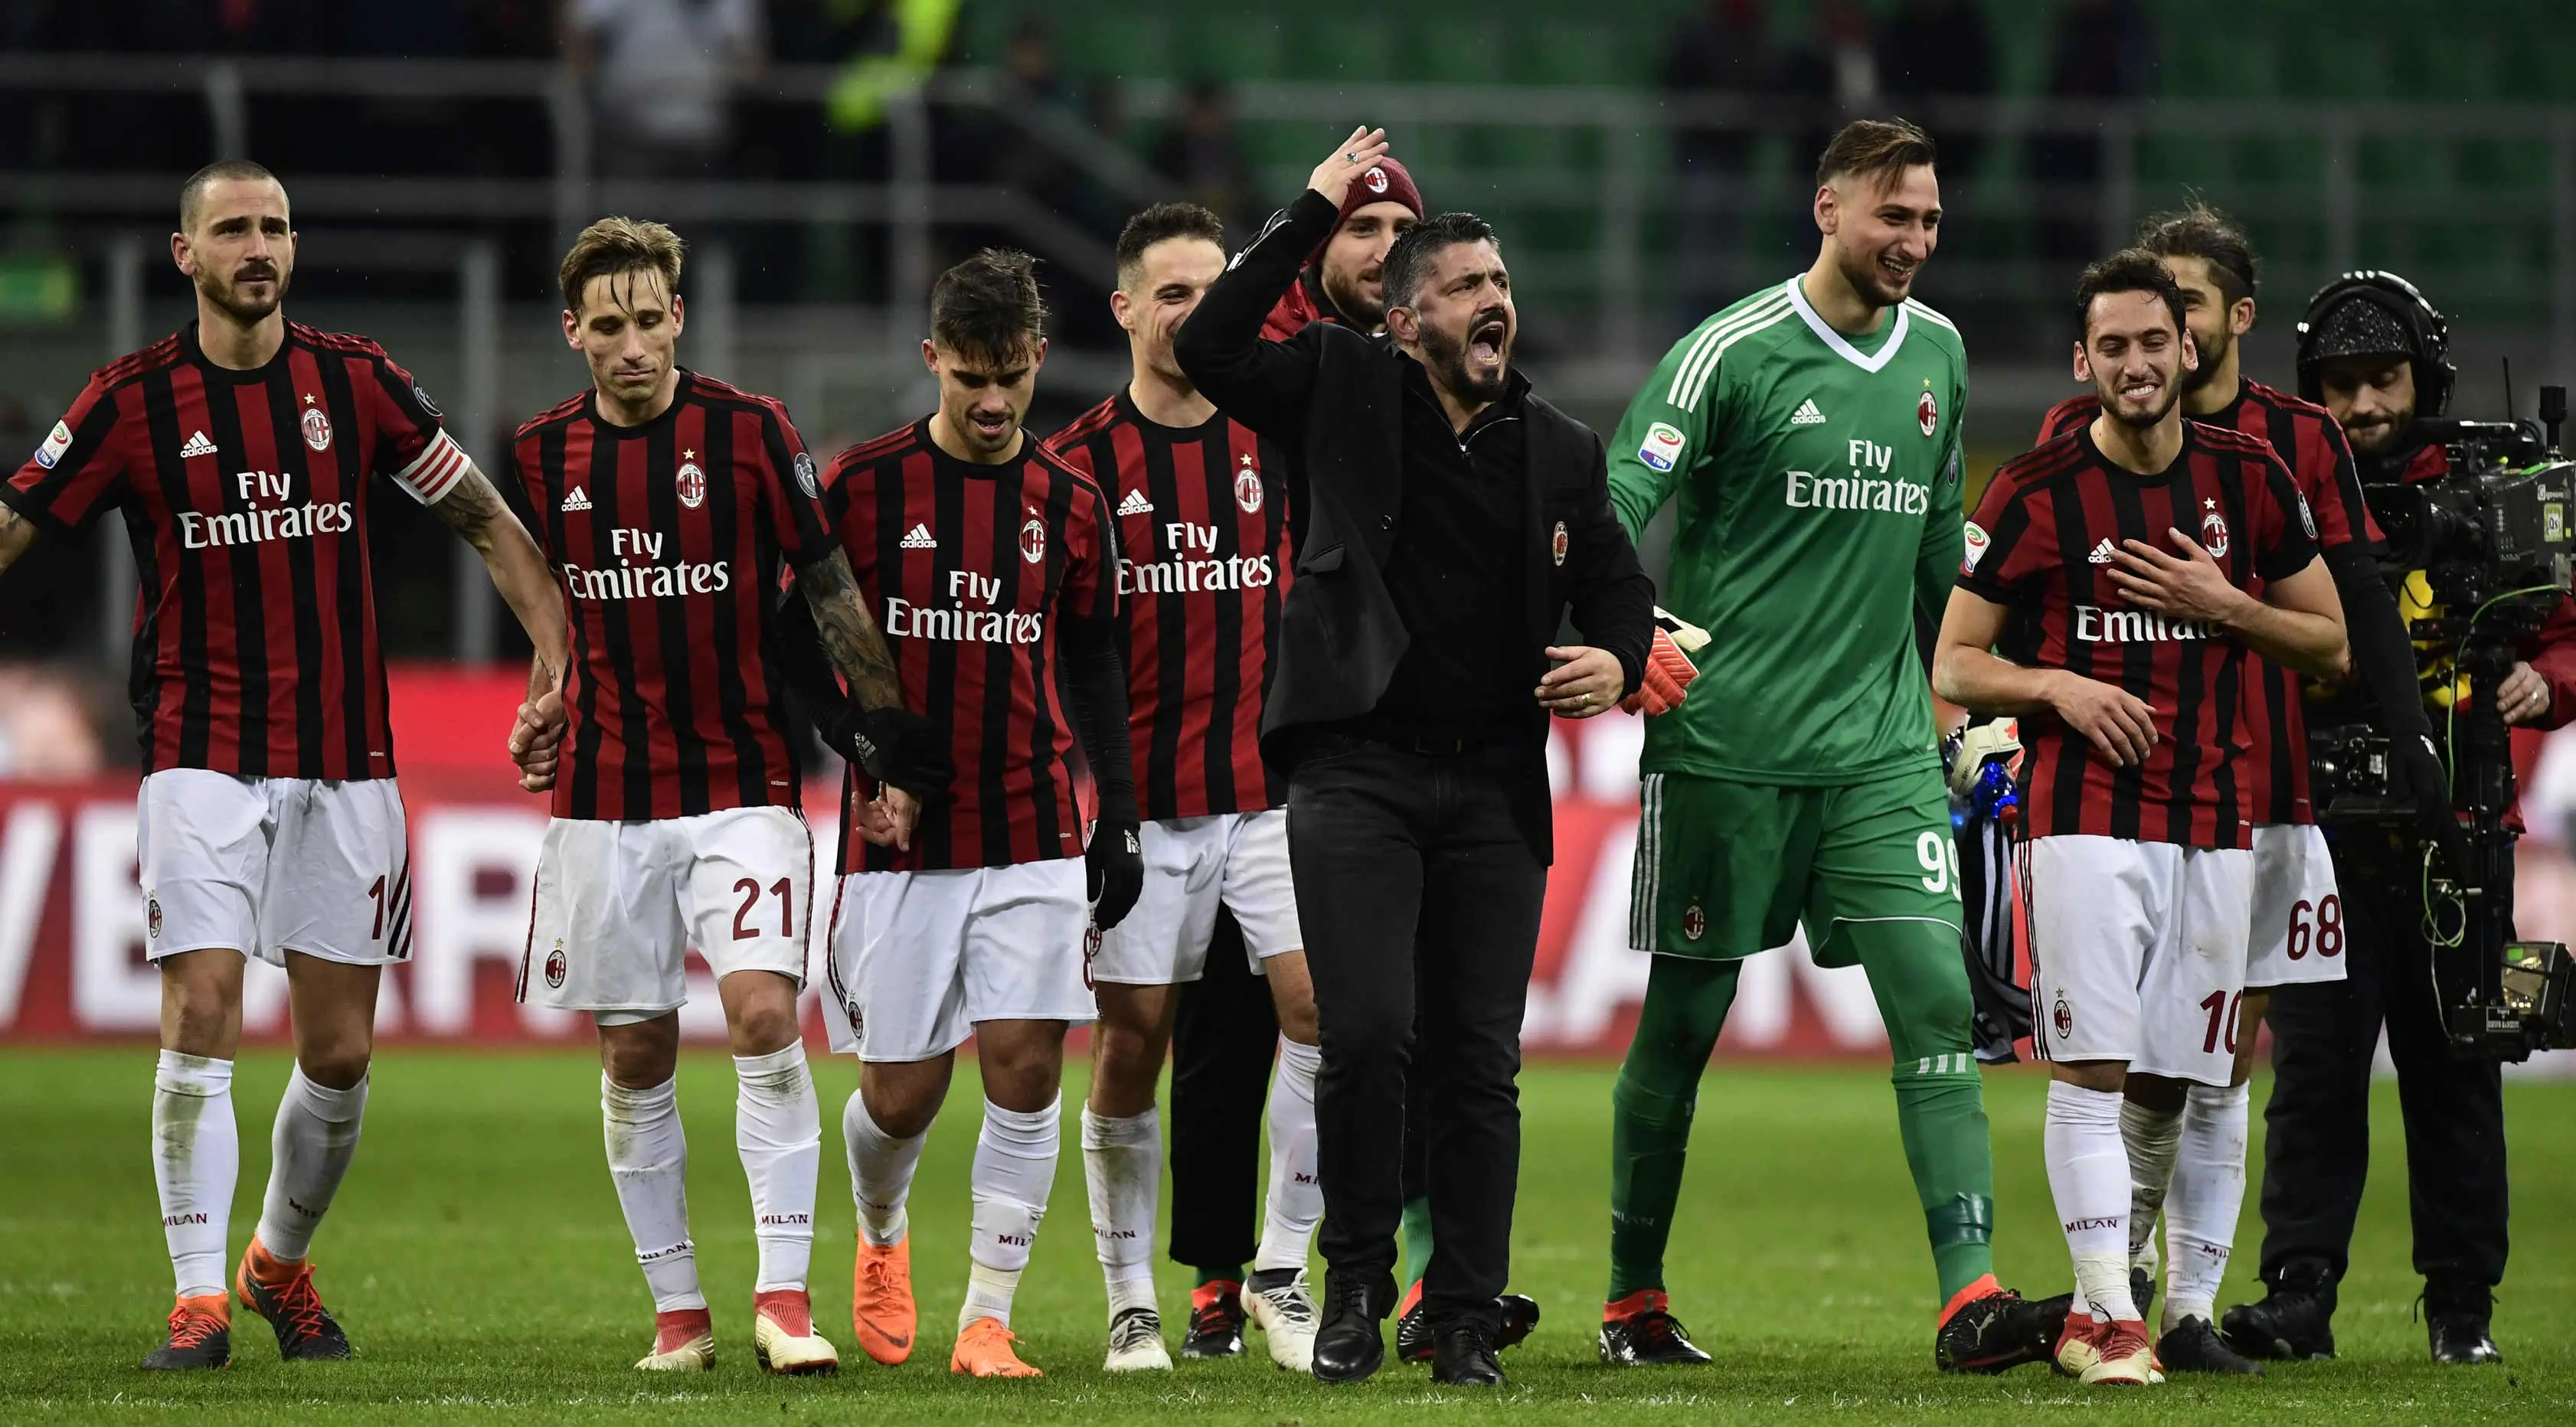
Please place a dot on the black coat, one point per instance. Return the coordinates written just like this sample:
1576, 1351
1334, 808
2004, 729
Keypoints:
1337, 399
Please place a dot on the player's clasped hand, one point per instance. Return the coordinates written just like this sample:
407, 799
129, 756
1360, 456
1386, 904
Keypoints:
1350, 158
536, 740
1585, 682
2185, 586
2119, 724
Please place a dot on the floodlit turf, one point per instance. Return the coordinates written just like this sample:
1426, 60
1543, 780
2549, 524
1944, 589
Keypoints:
478, 1261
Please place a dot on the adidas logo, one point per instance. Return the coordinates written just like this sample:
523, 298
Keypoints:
918, 538
1807, 414
198, 445
575, 499
1136, 504
2103, 554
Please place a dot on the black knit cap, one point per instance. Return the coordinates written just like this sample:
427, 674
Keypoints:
2359, 326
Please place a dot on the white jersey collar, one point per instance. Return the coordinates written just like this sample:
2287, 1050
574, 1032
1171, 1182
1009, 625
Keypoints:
1826, 334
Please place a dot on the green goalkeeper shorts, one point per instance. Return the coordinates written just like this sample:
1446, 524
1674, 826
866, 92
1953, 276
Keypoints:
1726, 869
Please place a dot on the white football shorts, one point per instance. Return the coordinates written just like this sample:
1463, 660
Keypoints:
2298, 916
1193, 866
2137, 952
265, 866
619, 904
919, 957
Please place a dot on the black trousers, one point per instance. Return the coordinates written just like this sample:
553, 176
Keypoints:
1419, 892
1224, 1039
2317, 1149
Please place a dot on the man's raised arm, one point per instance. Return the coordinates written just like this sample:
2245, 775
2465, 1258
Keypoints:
1220, 348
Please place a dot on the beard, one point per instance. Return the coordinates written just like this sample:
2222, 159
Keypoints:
2381, 436
2140, 420
1871, 281
1446, 354
1353, 303
226, 295
2213, 355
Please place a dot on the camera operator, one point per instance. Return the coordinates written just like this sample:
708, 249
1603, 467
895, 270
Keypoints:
2376, 354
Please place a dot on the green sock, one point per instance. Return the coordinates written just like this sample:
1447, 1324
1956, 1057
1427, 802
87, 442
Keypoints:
1921, 984
1942, 1117
1650, 1111
1417, 1240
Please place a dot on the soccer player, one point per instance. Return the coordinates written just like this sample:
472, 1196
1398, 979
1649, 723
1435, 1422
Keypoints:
669, 502
2137, 559
2196, 1145
241, 451
995, 564
1344, 278
1202, 507
1811, 435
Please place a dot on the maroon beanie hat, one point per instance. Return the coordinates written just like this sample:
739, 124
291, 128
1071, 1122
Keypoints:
1385, 182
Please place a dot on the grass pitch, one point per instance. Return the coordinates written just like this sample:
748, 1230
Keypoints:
478, 1261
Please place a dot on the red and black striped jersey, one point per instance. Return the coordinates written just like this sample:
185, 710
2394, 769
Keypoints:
245, 499
667, 539
1202, 519
2042, 536
970, 571
2309, 441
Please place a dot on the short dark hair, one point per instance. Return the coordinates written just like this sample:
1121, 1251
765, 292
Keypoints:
1162, 223
2197, 230
192, 194
1881, 148
988, 306
619, 244
2128, 270
1408, 259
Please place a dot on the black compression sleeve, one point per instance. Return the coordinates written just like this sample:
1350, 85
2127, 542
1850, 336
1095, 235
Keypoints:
2382, 654
809, 670
1096, 685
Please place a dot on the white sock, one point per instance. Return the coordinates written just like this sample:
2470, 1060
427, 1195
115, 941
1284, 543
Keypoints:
648, 1158
881, 1169
1296, 1200
196, 1156
1014, 1167
2151, 1136
1122, 1167
778, 1131
2088, 1175
2208, 1193
310, 1149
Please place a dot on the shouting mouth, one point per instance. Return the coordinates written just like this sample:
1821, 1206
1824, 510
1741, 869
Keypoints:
1485, 345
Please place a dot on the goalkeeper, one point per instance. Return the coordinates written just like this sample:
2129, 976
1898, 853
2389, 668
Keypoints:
1811, 436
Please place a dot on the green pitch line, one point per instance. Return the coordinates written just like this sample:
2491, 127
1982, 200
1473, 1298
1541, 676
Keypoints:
478, 1261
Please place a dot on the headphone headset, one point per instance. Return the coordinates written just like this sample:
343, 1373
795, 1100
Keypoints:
2430, 354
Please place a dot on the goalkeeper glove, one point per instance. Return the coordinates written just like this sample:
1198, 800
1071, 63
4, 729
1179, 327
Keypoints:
1669, 671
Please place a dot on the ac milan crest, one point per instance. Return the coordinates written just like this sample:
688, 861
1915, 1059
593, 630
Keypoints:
2063, 1018
692, 485
2213, 531
1033, 540
1375, 178
1694, 922
1927, 412
1556, 544
152, 916
1247, 487
317, 429
556, 966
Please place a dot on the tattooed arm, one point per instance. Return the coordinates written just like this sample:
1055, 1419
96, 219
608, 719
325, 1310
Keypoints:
851, 638
473, 509
17, 532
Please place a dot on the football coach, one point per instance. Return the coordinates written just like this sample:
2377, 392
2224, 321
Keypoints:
1448, 520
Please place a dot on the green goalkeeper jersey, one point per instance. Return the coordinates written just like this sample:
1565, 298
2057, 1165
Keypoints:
1818, 480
